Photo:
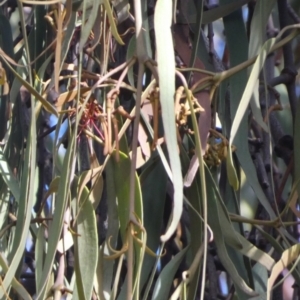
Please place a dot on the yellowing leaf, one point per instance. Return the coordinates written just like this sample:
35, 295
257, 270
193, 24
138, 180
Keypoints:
287, 257
112, 23
69, 96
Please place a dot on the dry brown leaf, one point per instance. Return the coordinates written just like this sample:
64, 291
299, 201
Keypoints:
69, 96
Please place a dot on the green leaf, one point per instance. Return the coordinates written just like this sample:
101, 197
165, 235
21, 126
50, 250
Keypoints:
153, 205
243, 105
259, 22
222, 11
27, 199
8, 177
196, 227
112, 23
147, 26
197, 33
287, 257
297, 146
85, 246
105, 270
121, 180
260, 276
77, 5
216, 207
87, 27
121, 8
122, 185
256, 254
39, 253
58, 217
6, 41
18, 287
165, 279
274, 243
67, 39
166, 73
234, 29
39, 40
130, 53
5, 209
217, 226
49, 107
95, 176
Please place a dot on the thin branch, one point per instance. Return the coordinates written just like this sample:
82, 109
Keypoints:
293, 14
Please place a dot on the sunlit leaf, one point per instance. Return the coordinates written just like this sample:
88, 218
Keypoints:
166, 73
114, 29
287, 257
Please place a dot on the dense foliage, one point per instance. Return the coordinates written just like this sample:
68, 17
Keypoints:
148, 149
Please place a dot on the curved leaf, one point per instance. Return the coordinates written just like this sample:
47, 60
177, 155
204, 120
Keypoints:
165, 279
287, 257
166, 73
112, 23
8, 177
85, 246
86, 28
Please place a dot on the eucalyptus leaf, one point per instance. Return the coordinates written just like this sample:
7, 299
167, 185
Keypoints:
165, 279
85, 246
166, 73
8, 176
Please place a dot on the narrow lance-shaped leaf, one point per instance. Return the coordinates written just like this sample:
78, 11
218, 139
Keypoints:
165, 279
287, 257
25, 205
60, 207
166, 73
114, 29
246, 99
85, 245
86, 28
8, 176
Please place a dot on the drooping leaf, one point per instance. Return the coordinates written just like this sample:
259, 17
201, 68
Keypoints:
287, 257
19, 288
222, 11
105, 269
153, 204
121, 179
26, 201
234, 27
260, 275
85, 246
8, 176
166, 73
87, 27
165, 279
217, 226
114, 29
58, 217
